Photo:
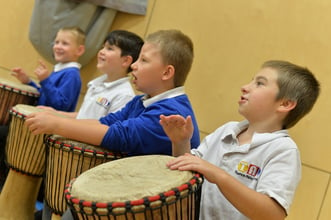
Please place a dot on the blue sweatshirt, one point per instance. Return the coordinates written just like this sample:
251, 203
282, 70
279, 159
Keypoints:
136, 129
60, 90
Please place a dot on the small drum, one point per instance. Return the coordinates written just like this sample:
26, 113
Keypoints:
66, 159
25, 156
140, 187
12, 93
25, 152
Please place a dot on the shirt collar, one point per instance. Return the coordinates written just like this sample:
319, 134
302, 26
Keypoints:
168, 94
101, 81
61, 66
257, 139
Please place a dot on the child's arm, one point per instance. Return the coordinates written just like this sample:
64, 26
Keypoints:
180, 131
21, 75
50, 109
252, 204
87, 131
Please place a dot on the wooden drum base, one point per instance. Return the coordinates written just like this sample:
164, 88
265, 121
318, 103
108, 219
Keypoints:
19, 196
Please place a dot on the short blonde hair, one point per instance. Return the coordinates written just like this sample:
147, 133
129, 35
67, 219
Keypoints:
176, 49
77, 32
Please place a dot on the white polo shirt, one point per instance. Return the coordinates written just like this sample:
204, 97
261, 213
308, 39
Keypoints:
270, 164
105, 97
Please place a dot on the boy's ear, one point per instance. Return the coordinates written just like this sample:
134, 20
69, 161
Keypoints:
287, 105
81, 50
127, 60
169, 72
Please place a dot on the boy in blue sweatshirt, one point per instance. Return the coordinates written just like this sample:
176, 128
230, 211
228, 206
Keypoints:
59, 89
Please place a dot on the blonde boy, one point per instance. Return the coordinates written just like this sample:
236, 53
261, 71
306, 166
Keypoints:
59, 89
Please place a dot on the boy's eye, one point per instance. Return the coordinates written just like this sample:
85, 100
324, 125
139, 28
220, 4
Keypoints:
259, 83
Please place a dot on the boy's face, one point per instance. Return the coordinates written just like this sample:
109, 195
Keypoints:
258, 100
110, 60
65, 47
148, 70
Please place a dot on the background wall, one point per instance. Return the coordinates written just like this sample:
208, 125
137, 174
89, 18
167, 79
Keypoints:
232, 39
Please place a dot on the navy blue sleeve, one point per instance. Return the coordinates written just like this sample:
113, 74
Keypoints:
142, 134
61, 90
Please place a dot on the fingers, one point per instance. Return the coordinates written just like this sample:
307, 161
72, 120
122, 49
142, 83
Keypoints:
172, 120
42, 63
185, 162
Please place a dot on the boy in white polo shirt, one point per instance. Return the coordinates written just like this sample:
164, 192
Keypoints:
251, 168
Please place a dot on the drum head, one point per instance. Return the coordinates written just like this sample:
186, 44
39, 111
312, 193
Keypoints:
18, 87
131, 178
24, 110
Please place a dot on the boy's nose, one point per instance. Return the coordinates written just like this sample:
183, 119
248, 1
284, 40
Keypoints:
244, 88
133, 65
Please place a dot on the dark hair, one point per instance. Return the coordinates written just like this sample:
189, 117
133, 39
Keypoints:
129, 43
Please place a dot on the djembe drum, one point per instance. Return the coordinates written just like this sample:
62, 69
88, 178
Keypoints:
13, 93
66, 159
140, 187
25, 156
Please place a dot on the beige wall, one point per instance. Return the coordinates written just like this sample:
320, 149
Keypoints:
232, 39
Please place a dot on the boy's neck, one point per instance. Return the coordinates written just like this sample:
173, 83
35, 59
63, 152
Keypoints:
246, 135
111, 77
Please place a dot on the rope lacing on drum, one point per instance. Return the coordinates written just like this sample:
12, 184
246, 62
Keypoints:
94, 207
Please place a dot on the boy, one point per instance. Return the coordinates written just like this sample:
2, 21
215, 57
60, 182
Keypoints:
59, 89
252, 168
160, 72
112, 90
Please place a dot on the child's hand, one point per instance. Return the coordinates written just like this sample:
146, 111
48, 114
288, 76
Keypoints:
20, 75
41, 71
190, 162
178, 128
46, 108
41, 122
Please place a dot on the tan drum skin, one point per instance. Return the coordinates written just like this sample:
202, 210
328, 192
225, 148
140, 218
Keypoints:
140, 187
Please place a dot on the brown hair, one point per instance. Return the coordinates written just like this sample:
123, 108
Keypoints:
298, 84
